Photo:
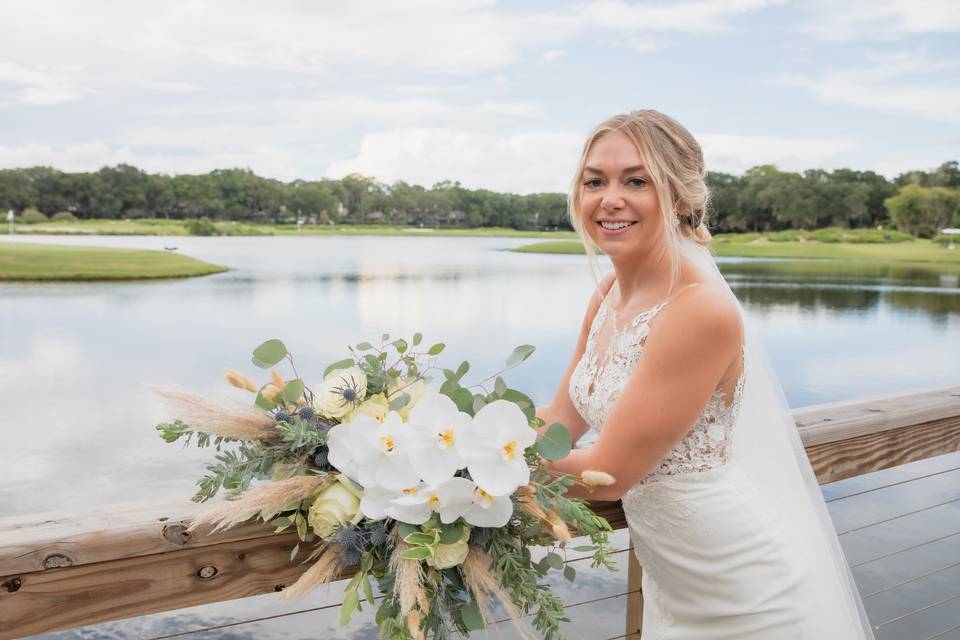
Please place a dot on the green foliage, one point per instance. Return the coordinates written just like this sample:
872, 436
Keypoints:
32, 216
269, 353
555, 443
201, 227
63, 216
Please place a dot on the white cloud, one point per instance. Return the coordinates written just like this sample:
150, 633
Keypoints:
87, 156
907, 82
42, 84
519, 163
881, 19
736, 153
552, 54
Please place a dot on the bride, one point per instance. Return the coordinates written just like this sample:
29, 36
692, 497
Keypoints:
668, 393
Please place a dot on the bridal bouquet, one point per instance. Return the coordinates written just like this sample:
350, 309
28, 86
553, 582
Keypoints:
436, 495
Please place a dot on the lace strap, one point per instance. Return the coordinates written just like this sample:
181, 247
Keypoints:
649, 314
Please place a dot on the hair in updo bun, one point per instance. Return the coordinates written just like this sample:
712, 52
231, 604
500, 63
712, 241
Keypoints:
674, 161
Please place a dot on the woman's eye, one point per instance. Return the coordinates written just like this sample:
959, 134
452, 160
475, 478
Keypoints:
592, 183
637, 182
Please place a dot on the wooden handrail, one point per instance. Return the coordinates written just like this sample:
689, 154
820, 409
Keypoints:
59, 571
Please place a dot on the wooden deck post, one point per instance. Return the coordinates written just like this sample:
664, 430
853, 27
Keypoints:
634, 597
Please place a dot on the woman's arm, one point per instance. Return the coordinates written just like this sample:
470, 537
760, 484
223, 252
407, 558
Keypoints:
561, 409
684, 359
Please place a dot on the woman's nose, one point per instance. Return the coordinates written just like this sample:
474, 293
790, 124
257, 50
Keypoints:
612, 199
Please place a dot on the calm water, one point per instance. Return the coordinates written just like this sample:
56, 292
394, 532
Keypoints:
78, 424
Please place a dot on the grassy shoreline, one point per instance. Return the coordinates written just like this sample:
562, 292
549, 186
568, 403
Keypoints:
919, 250
47, 263
162, 227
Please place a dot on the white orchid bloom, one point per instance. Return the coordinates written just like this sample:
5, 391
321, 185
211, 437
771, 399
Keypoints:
450, 499
487, 510
375, 500
494, 454
343, 443
441, 433
382, 452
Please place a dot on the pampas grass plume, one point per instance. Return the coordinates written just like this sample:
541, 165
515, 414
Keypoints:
273, 496
325, 569
235, 420
276, 379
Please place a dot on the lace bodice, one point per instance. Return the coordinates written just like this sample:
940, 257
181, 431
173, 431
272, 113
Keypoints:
601, 373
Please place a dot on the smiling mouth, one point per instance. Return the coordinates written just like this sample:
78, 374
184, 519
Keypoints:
614, 226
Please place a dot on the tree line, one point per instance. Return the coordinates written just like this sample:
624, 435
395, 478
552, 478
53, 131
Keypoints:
762, 199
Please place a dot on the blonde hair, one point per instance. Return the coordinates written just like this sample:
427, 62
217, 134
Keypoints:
674, 161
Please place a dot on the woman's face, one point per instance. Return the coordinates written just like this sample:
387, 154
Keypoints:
616, 189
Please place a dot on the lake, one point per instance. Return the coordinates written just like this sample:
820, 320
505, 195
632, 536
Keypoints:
78, 421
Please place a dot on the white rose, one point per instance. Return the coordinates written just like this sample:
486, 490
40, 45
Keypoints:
334, 506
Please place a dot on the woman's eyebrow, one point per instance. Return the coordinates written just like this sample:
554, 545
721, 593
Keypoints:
635, 168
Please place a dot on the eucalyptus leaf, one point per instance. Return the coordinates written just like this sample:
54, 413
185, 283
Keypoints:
364, 346
400, 345
417, 337
400, 401
472, 619
520, 354
262, 402
479, 402
569, 573
405, 529
521, 400
385, 337
463, 399
462, 369
500, 386
555, 443
293, 390
451, 532
554, 560
269, 353
339, 364
435, 349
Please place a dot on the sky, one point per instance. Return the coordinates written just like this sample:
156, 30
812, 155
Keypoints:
495, 95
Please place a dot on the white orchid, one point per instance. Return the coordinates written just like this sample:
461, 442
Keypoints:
450, 499
440, 437
494, 453
372, 453
341, 391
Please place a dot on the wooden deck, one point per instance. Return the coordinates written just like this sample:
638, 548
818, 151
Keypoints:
900, 530
899, 527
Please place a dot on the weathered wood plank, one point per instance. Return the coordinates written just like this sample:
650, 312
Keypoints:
86, 594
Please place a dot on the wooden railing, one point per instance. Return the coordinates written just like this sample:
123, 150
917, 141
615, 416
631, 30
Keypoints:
60, 571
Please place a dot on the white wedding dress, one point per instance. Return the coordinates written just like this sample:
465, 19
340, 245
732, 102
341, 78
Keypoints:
716, 563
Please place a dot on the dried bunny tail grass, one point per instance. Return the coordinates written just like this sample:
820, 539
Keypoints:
592, 479
239, 380
483, 583
276, 379
559, 528
235, 421
408, 585
325, 569
551, 519
272, 496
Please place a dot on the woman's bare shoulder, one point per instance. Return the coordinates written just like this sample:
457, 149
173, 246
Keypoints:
708, 312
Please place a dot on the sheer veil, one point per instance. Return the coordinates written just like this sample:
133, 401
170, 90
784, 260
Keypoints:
767, 446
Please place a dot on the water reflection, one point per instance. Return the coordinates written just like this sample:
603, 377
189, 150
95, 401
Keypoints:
73, 356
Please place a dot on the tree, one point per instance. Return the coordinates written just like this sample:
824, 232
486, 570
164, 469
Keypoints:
923, 211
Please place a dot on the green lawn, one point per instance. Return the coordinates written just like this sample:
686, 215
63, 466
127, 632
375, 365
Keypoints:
162, 227
54, 262
752, 247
